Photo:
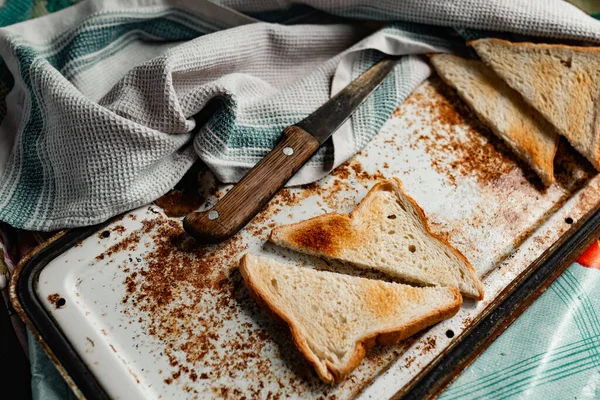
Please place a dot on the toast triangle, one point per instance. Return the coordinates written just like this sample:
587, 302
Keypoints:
503, 110
561, 82
335, 319
386, 232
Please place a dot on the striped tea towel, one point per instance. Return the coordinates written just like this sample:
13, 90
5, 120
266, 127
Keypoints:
103, 105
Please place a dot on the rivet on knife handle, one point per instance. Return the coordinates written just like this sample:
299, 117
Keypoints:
253, 192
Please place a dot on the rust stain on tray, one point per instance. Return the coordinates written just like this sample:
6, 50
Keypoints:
56, 300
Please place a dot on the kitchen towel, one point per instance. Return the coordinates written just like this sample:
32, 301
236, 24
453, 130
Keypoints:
106, 104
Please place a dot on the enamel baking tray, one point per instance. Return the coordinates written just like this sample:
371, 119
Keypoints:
133, 309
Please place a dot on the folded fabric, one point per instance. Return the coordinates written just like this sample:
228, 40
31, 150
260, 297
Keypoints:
105, 100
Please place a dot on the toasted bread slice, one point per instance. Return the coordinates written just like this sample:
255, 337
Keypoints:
335, 319
503, 110
387, 232
561, 82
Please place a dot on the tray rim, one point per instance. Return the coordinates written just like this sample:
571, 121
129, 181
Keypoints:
429, 383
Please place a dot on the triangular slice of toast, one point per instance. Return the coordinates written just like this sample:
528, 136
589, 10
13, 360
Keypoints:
386, 232
503, 110
561, 82
335, 319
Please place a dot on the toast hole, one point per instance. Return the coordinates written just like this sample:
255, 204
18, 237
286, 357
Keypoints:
412, 248
569, 220
567, 63
391, 232
391, 216
275, 284
450, 333
105, 234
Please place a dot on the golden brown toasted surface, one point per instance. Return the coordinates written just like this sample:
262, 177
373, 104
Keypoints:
327, 235
503, 110
386, 232
381, 301
335, 319
561, 82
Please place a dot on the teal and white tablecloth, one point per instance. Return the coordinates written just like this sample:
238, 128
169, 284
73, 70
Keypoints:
551, 351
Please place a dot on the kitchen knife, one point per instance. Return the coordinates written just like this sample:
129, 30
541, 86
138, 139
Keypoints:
299, 142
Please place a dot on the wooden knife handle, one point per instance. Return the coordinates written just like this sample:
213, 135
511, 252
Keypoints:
253, 192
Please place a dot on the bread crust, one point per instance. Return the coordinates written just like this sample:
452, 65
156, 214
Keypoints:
330, 373
587, 49
579, 123
522, 138
399, 189
396, 186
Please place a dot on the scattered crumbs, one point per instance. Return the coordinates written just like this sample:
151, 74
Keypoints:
118, 229
428, 345
467, 322
476, 152
91, 342
408, 361
341, 172
128, 243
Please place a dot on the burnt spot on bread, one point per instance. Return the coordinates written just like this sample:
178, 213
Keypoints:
567, 63
326, 237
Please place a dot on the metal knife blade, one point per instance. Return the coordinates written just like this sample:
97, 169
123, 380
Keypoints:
299, 142
330, 116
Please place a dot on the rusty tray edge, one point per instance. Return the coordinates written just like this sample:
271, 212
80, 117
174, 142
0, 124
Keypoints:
42, 326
